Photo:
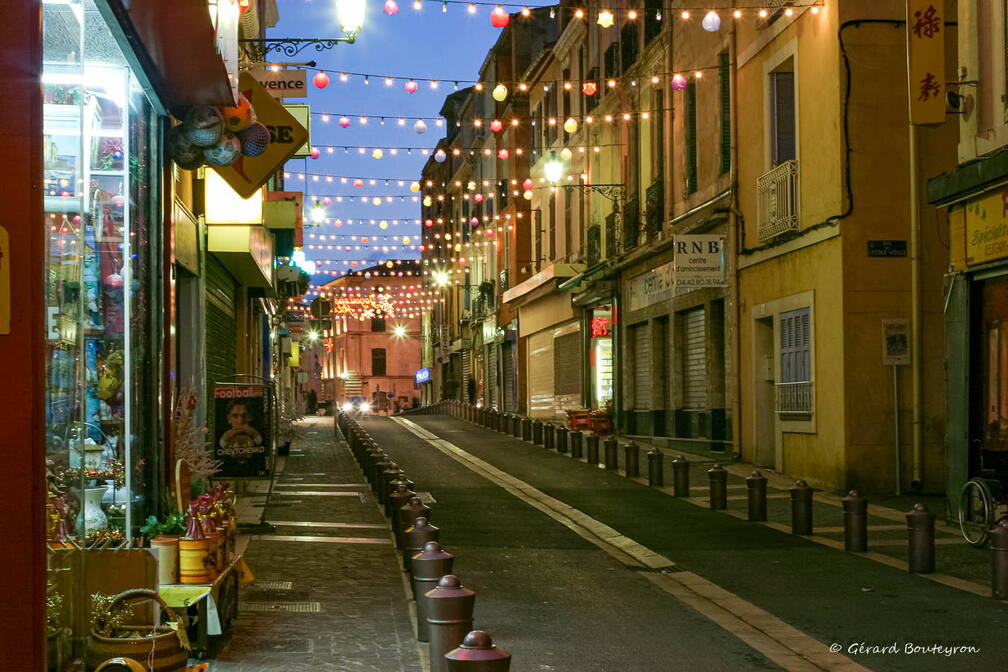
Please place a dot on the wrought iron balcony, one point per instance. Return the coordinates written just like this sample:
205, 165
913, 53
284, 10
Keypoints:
654, 207
777, 200
594, 244
795, 399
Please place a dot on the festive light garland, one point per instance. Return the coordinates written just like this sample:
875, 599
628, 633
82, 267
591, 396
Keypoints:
378, 151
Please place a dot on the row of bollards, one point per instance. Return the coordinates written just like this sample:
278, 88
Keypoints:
444, 607
920, 522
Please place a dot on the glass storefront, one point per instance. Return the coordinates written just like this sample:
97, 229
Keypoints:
601, 356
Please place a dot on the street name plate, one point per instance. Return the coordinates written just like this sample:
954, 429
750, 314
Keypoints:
887, 248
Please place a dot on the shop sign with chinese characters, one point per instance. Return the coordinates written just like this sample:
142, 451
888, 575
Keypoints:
926, 61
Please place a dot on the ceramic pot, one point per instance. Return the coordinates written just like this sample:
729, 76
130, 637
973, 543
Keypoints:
91, 516
167, 549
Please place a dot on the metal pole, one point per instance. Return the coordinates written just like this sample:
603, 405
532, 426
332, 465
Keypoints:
896, 432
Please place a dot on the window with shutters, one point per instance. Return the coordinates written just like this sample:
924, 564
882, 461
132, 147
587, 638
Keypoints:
378, 361
725, 112
690, 131
794, 390
782, 115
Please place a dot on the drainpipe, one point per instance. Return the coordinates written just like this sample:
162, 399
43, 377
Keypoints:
734, 343
915, 317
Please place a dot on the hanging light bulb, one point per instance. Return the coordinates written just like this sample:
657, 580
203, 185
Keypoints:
318, 213
605, 18
500, 93
391, 7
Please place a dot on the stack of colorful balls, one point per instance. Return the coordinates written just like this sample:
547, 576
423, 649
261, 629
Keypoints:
217, 135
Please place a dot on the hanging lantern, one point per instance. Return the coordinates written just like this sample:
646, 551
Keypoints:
358, 182
478, 198
589, 88
571, 125
344, 121
490, 233
377, 153
414, 187
440, 156
474, 221
405, 241
376, 200
427, 200
383, 225
499, 18
420, 127
391, 7
528, 183
428, 223
326, 201
471, 186
527, 195
500, 93
410, 86
566, 154
365, 239
605, 19
338, 223
320, 80
496, 126
711, 22
315, 153
502, 154
678, 82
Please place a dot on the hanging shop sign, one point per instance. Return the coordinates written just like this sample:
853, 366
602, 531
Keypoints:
248, 173
422, 376
926, 61
302, 113
987, 227
652, 287
242, 430
699, 261
283, 83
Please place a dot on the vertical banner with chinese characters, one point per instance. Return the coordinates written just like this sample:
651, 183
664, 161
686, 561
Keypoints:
926, 61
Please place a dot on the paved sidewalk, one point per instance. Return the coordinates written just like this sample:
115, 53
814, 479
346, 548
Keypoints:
329, 593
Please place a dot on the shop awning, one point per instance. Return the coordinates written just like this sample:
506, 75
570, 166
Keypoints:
246, 251
178, 41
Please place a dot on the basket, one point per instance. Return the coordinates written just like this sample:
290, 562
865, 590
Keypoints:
161, 652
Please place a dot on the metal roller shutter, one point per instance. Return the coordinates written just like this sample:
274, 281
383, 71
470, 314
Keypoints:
695, 368
221, 331
540, 373
466, 375
508, 370
493, 390
567, 371
640, 341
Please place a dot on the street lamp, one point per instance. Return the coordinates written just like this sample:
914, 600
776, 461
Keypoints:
554, 169
399, 331
349, 14
318, 213
441, 279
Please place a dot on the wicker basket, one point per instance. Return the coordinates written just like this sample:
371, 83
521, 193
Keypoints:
160, 652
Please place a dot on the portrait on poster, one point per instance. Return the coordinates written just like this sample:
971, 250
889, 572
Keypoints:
242, 432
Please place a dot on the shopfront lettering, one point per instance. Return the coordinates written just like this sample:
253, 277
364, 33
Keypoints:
987, 227
283, 85
281, 134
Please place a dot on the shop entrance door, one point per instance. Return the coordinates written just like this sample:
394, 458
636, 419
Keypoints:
765, 434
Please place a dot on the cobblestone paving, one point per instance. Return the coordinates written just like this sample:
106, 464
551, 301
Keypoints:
363, 621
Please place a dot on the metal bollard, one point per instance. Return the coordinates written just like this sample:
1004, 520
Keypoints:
526, 429
611, 458
396, 499
413, 509
576, 437
390, 474
415, 537
478, 653
999, 559
591, 449
655, 468
680, 476
516, 426
560, 440
449, 615
548, 436
537, 432
756, 489
631, 459
920, 542
426, 569
717, 478
801, 508
855, 522
378, 473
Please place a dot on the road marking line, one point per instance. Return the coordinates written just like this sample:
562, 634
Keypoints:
781, 643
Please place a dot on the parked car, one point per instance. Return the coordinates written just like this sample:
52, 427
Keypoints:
356, 406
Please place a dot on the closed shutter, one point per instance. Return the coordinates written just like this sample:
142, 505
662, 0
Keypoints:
567, 370
221, 331
783, 117
540, 375
795, 354
690, 131
493, 389
640, 341
695, 369
508, 369
466, 375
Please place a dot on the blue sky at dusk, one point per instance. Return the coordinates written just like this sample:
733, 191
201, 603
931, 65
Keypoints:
428, 43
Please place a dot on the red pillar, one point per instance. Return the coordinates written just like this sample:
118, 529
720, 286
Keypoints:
22, 522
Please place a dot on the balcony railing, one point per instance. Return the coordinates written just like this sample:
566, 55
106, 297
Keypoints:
654, 208
795, 399
594, 244
611, 233
631, 225
777, 198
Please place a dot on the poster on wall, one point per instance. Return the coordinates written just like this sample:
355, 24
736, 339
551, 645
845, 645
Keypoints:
242, 430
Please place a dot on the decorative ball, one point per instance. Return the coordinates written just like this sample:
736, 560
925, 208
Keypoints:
678, 82
502, 154
314, 153
376, 200
255, 139
571, 125
527, 195
411, 86
478, 198
377, 153
326, 201
414, 187
320, 80
528, 183
499, 18
489, 232
427, 200
344, 122
240, 116
474, 221
225, 152
187, 155
420, 127
391, 7
711, 22
470, 185
566, 154
204, 125
496, 126
428, 222
500, 93
383, 225
405, 240
440, 156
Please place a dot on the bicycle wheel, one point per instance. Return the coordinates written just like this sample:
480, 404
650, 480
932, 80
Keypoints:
976, 512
